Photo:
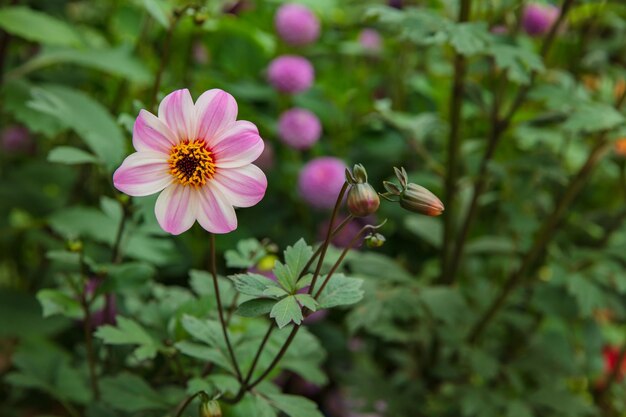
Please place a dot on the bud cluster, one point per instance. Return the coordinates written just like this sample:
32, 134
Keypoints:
411, 196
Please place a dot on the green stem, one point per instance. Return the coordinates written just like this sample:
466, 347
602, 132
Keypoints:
220, 309
454, 140
543, 238
115, 253
498, 127
188, 401
165, 54
91, 357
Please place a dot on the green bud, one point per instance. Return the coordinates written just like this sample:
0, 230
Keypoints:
375, 240
362, 200
75, 245
418, 199
359, 173
210, 408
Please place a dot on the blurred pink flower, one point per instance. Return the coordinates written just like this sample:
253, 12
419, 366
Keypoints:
370, 40
499, 30
538, 18
200, 157
296, 24
267, 158
107, 314
321, 180
16, 139
291, 74
299, 128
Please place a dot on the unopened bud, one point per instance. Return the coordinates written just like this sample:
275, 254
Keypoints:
420, 200
75, 245
362, 200
210, 408
375, 240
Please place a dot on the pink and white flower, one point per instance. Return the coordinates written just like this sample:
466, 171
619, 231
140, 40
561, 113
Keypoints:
200, 156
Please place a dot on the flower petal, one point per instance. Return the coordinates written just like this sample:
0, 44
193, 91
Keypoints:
215, 213
143, 173
216, 110
178, 113
151, 134
238, 146
243, 187
176, 208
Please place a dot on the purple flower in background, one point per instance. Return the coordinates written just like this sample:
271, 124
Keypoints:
16, 139
500, 30
539, 18
344, 237
370, 40
291, 74
299, 128
107, 314
296, 24
396, 4
321, 180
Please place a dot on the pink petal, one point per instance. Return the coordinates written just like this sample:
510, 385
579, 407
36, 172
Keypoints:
238, 146
176, 208
243, 187
151, 134
215, 213
178, 113
143, 173
216, 110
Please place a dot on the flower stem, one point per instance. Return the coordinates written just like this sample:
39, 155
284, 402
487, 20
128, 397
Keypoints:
454, 140
165, 55
326, 243
220, 310
115, 253
498, 127
187, 401
91, 357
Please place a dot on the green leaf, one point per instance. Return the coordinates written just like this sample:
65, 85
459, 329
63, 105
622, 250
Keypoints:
588, 295
593, 117
340, 291
469, 38
88, 118
517, 61
257, 307
285, 276
445, 304
158, 9
119, 62
286, 311
15, 95
36, 26
71, 156
307, 301
297, 256
207, 331
56, 302
205, 353
252, 284
248, 253
128, 392
129, 332
293, 405
427, 228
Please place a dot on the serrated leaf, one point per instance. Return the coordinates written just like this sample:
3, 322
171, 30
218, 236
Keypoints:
588, 295
517, 61
307, 301
36, 26
286, 311
297, 256
252, 284
207, 331
129, 332
71, 156
285, 276
593, 117
445, 304
56, 302
257, 307
340, 291
205, 353
275, 292
469, 38
248, 253
128, 392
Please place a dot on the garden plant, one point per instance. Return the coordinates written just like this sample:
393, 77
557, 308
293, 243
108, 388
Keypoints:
312, 208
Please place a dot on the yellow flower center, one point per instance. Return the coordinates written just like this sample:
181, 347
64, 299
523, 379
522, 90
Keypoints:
191, 163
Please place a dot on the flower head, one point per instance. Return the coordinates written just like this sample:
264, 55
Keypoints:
370, 40
362, 197
296, 24
539, 18
291, 74
321, 180
16, 139
411, 196
200, 157
299, 128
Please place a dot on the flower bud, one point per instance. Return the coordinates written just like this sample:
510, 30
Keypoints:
375, 240
419, 200
210, 408
362, 200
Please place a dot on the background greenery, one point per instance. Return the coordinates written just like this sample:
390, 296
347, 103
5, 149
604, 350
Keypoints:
519, 323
